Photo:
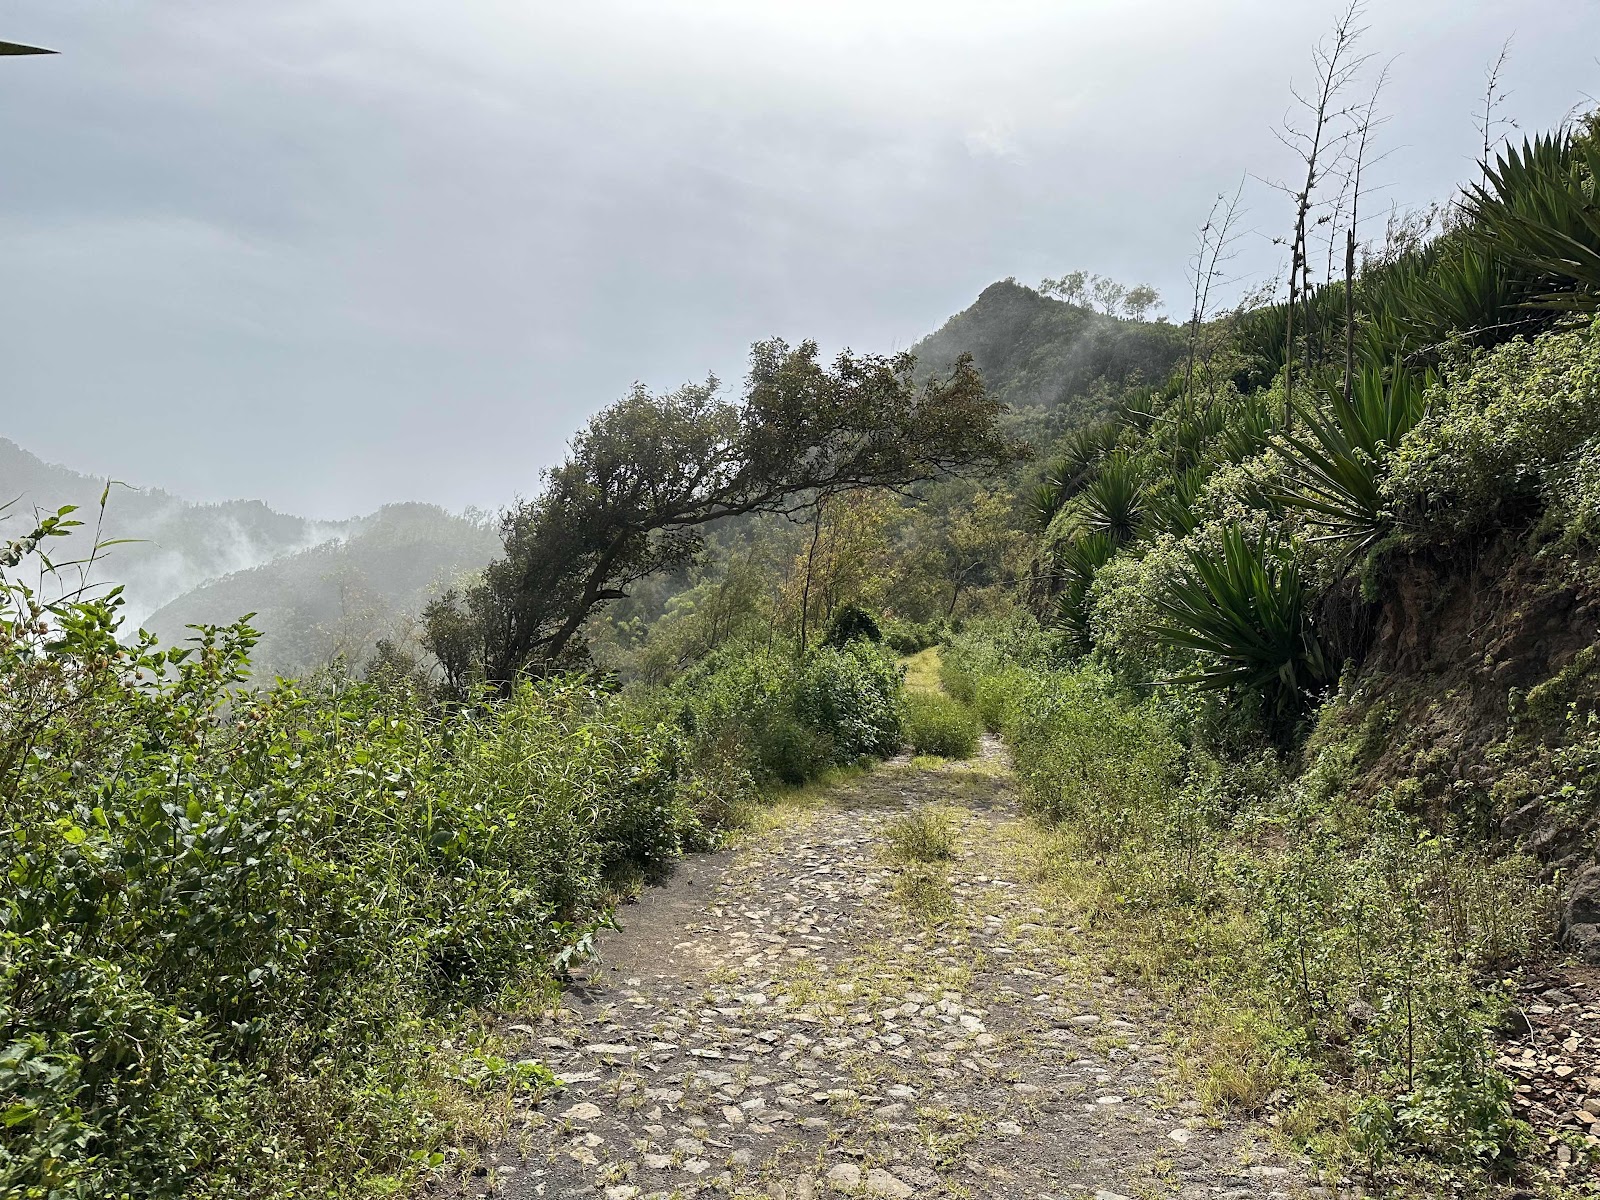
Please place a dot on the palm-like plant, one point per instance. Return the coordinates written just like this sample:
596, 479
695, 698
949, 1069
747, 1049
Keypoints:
1245, 433
1044, 500
1338, 458
1079, 559
1246, 613
1079, 454
1114, 501
1540, 208
1173, 511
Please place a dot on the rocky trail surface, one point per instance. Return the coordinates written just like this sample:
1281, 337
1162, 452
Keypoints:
805, 1018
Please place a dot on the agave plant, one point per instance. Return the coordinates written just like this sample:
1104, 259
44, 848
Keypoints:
1173, 511
1245, 612
1190, 432
1338, 458
1540, 208
1114, 502
1249, 424
1079, 559
1457, 285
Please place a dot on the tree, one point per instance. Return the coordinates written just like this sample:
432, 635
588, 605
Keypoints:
980, 542
647, 475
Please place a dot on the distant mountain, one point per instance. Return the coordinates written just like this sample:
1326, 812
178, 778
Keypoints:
180, 544
1046, 358
337, 599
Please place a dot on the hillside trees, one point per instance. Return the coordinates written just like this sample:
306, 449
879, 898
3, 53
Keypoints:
646, 477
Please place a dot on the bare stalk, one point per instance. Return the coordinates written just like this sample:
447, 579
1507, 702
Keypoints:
1336, 64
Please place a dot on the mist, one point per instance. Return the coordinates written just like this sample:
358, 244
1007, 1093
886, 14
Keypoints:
331, 255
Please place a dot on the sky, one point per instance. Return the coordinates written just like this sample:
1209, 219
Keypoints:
336, 253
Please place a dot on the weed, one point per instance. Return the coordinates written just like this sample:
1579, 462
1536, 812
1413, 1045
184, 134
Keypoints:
926, 835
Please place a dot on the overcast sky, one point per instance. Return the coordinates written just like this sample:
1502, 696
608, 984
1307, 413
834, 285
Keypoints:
335, 253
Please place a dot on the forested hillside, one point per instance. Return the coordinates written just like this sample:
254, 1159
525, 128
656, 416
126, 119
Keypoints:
173, 544
1052, 364
338, 600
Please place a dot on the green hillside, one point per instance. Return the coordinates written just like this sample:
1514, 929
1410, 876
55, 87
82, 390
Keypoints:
177, 544
1051, 362
338, 599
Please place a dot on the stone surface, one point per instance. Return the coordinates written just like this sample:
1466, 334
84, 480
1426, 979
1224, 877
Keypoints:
778, 1023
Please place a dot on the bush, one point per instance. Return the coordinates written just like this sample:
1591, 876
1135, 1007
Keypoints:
910, 637
852, 623
936, 724
1505, 429
927, 835
1328, 937
987, 648
237, 923
793, 721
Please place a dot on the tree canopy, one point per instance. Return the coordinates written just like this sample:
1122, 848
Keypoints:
650, 472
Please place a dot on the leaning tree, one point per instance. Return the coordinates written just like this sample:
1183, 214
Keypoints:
646, 475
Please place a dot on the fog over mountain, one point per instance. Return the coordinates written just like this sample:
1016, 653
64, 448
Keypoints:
171, 544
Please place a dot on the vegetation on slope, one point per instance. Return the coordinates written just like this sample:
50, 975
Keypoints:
335, 601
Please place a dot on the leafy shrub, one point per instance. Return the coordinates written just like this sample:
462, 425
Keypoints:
1504, 429
1576, 496
793, 720
988, 648
852, 623
1325, 938
936, 724
237, 922
911, 637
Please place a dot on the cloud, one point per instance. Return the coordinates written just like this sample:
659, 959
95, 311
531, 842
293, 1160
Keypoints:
339, 252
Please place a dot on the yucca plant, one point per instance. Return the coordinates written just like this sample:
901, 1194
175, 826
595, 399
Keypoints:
1173, 511
1078, 456
1338, 458
1246, 612
1114, 501
1078, 560
1189, 432
1540, 208
1457, 285
1044, 500
1244, 434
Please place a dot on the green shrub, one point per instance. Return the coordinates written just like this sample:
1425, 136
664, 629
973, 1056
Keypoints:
237, 923
793, 721
852, 623
936, 724
986, 648
910, 637
1328, 937
1505, 429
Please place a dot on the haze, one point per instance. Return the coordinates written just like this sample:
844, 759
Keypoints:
339, 253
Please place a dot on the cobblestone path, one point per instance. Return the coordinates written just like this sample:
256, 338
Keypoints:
805, 1019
